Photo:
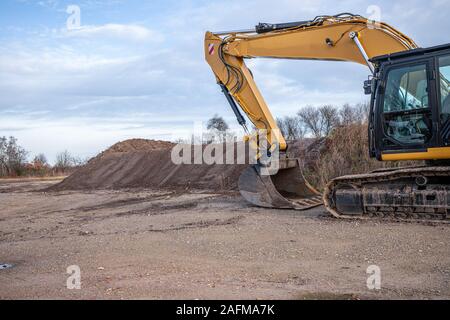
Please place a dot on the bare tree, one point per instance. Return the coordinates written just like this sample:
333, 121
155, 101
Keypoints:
40, 160
346, 115
17, 156
329, 118
282, 125
310, 117
363, 111
78, 161
3, 157
291, 127
12, 157
320, 121
356, 114
218, 127
64, 161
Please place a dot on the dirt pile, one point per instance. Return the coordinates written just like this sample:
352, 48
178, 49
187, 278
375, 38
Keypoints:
141, 163
135, 145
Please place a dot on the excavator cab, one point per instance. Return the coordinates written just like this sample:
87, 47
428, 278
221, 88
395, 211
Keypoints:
410, 105
409, 119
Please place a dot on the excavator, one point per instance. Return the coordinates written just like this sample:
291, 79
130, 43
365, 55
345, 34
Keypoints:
409, 116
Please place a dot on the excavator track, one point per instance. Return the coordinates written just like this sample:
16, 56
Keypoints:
408, 194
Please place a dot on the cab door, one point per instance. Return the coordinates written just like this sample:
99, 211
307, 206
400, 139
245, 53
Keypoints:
406, 108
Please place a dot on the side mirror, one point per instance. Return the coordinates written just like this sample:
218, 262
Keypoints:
368, 86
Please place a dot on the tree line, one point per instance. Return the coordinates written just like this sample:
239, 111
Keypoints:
14, 161
319, 122
309, 122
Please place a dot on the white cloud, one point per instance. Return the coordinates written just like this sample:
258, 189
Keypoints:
120, 31
56, 60
48, 3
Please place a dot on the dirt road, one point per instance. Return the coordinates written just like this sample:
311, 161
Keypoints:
160, 245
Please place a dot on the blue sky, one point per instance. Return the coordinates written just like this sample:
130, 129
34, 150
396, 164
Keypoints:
136, 68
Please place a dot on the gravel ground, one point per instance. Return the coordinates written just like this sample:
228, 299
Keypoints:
144, 244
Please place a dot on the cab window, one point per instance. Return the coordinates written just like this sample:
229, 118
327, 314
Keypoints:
406, 110
406, 89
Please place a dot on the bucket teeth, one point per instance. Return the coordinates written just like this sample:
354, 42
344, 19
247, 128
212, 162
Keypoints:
287, 189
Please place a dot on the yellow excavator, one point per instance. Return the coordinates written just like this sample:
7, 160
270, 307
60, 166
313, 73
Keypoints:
409, 117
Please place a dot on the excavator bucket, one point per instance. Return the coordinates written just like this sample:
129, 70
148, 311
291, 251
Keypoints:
287, 189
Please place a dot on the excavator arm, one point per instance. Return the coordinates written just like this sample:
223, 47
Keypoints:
343, 37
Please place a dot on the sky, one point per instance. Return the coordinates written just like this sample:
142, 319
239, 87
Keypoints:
136, 69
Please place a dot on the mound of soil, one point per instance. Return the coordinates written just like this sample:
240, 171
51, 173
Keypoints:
140, 163
135, 145
147, 164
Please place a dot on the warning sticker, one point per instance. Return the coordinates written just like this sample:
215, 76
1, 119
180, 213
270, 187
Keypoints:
211, 49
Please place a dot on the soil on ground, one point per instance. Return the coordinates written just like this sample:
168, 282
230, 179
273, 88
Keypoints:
166, 244
140, 227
